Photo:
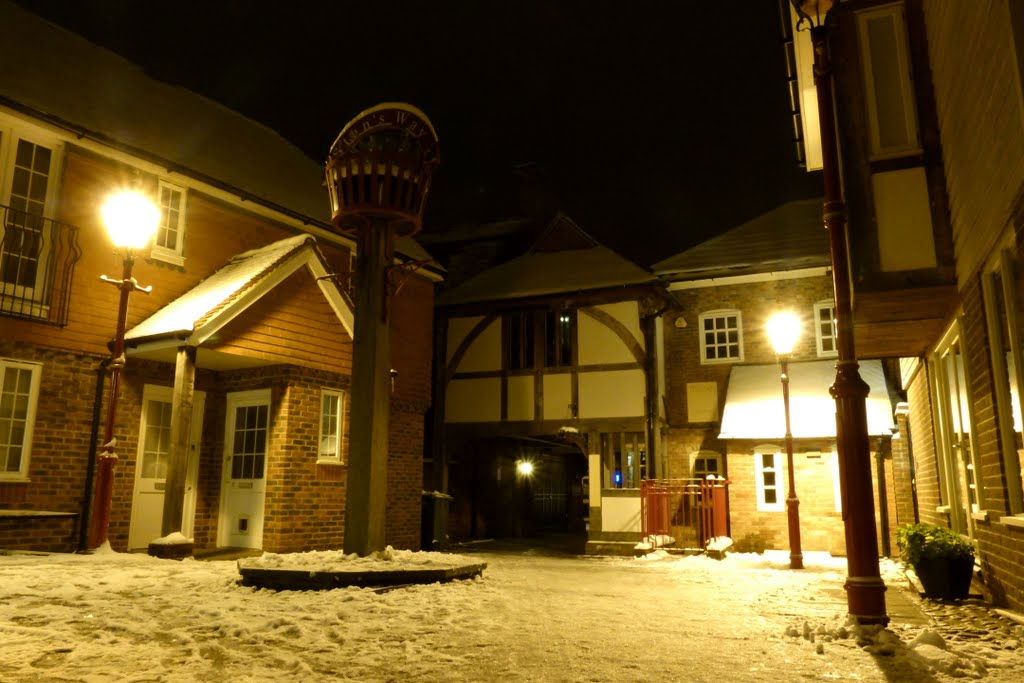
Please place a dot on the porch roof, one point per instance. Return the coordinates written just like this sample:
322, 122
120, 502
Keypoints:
198, 313
754, 408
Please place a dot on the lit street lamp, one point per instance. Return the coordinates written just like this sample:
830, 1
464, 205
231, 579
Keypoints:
865, 590
130, 219
783, 330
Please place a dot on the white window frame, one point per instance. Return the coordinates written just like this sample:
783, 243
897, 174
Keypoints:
22, 474
902, 68
175, 256
819, 337
705, 455
759, 471
10, 135
1000, 301
322, 454
715, 315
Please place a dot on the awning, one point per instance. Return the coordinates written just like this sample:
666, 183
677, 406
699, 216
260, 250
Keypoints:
754, 409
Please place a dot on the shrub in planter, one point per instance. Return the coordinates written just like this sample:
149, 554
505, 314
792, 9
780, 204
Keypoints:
941, 558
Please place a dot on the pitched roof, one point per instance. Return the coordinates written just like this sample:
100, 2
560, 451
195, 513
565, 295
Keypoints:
788, 237
98, 94
581, 264
200, 312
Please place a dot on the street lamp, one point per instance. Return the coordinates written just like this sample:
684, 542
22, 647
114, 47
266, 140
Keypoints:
865, 590
783, 330
130, 219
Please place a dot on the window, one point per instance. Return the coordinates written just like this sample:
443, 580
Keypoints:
705, 463
1001, 313
170, 235
26, 188
624, 459
892, 116
721, 336
156, 436
332, 411
249, 441
19, 393
559, 330
958, 482
768, 480
519, 341
825, 328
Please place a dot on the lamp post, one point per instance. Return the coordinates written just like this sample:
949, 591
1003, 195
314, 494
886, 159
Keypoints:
131, 219
783, 330
865, 590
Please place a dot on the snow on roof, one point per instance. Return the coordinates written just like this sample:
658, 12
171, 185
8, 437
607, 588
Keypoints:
553, 272
754, 408
788, 237
187, 312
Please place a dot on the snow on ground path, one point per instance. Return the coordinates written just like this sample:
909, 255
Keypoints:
117, 617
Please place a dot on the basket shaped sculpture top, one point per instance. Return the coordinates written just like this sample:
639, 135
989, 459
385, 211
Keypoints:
380, 167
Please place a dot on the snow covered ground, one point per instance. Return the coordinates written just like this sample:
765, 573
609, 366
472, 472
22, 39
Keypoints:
531, 617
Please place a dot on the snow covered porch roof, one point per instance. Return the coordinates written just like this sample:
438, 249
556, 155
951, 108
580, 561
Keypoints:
754, 408
202, 311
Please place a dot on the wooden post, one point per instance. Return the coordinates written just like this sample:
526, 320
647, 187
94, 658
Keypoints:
181, 429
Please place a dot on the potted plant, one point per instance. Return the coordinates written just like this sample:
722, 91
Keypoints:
942, 559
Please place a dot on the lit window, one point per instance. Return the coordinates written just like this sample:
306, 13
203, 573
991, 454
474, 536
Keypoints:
170, 235
825, 328
624, 459
721, 336
1001, 313
332, 406
19, 394
768, 481
559, 327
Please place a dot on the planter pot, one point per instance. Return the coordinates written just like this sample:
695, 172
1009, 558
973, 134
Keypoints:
946, 579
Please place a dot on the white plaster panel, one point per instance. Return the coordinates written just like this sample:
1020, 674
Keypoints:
520, 398
905, 237
473, 400
620, 513
595, 478
558, 396
484, 353
702, 401
598, 344
619, 393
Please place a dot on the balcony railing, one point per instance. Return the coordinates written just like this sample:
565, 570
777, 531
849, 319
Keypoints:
37, 265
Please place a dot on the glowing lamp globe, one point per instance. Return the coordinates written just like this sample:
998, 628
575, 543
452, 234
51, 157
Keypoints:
131, 219
783, 331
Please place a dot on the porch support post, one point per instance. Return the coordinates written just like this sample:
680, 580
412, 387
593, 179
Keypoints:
181, 427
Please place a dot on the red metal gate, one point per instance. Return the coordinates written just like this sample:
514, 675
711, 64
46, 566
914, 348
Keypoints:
690, 512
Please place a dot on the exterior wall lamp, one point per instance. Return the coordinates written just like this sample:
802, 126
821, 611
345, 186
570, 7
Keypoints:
131, 219
783, 330
865, 590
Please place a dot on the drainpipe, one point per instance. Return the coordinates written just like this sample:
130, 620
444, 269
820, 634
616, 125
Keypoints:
97, 406
883, 500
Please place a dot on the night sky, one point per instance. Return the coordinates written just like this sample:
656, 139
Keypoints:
652, 124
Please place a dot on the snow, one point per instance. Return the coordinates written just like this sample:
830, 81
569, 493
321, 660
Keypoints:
531, 617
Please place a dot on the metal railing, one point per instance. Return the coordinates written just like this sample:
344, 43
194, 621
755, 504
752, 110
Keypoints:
37, 265
686, 513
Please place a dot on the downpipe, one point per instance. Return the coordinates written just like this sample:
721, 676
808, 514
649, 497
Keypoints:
90, 474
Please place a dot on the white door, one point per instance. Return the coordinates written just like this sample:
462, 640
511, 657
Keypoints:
243, 482
151, 466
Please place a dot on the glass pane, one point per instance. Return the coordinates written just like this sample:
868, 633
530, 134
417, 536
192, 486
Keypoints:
770, 496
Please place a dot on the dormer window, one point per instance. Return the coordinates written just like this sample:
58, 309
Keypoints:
168, 246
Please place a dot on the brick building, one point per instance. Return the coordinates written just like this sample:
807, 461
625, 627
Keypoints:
723, 393
249, 313
932, 145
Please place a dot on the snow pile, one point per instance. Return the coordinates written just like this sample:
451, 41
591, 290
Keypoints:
655, 541
338, 561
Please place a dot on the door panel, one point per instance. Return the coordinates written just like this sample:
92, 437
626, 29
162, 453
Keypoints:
151, 466
243, 484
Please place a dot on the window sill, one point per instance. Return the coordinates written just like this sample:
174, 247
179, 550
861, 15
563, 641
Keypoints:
167, 257
942, 509
1014, 521
330, 463
981, 516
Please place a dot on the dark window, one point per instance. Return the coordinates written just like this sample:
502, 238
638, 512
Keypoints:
519, 341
